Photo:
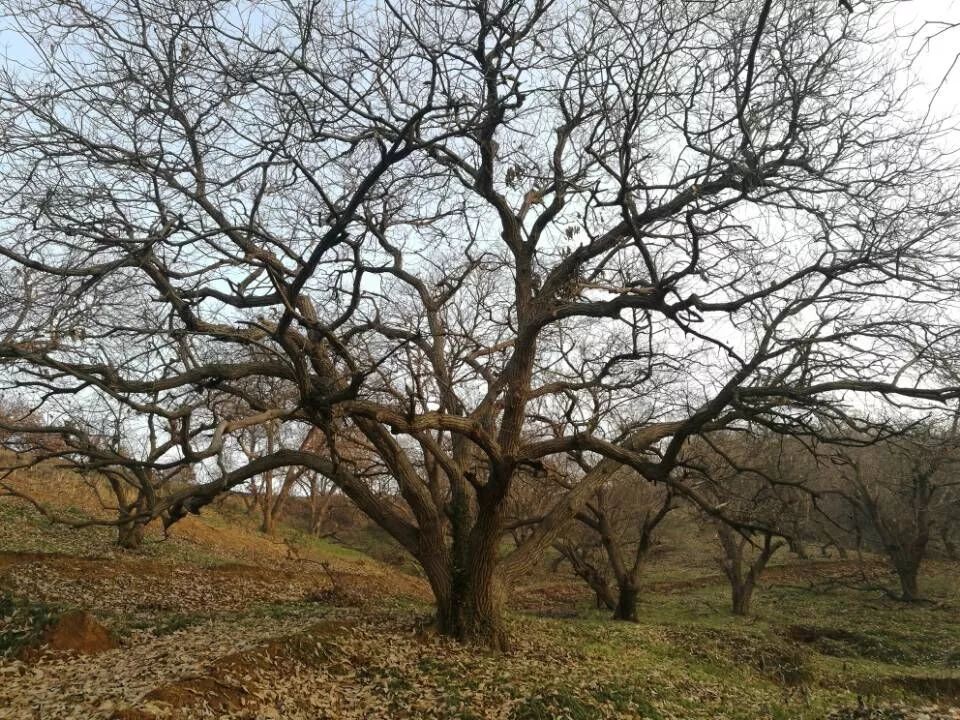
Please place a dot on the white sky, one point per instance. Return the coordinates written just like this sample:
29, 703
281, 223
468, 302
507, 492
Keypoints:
917, 26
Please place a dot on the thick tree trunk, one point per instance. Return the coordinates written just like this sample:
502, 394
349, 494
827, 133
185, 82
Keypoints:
130, 535
474, 614
908, 572
626, 602
469, 607
741, 595
468, 591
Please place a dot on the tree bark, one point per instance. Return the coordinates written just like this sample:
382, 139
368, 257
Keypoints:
908, 573
741, 594
130, 535
741, 573
470, 605
626, 603
268, 526
465, 582
949, 546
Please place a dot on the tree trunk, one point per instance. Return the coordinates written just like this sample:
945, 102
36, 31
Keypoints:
474, 613
798, 548
949, 546
130, 535
591, 575
468, 591
470, 609
269, 524
740, 594
626, 602
908, 572
602, 591
743, 577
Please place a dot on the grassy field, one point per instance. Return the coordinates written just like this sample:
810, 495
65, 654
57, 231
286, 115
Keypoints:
218, 620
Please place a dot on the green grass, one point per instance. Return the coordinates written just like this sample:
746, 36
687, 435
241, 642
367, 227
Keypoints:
856, 643
319, 548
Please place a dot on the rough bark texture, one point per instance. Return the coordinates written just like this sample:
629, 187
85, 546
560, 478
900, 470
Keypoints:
470, 600
626, 603
741, 594
742, 573
906, 563
130, 535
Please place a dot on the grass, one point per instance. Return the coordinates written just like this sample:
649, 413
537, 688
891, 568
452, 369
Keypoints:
800, 653
858, 644
313, 546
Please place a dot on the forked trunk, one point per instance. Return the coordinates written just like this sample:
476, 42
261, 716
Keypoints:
469, 609
473, 614
469, 594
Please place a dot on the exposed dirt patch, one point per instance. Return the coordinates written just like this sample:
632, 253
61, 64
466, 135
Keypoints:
208, 692
895, 712
237, 679
9, 559
130, 714
313, 647
801, 573
551, 598
809, 634
78, 632
132, 585
785, 663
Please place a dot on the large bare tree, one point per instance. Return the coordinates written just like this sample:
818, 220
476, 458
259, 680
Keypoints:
474, 238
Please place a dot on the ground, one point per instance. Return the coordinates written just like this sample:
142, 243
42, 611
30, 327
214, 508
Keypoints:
220, 621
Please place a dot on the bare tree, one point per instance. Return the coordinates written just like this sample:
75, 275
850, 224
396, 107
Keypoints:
621, 522
902, 495
98, 447
763, 482
268, 493
470, 238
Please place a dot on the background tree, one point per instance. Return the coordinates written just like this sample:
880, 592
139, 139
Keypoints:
762, 484
617, 530
901, 493
99, 445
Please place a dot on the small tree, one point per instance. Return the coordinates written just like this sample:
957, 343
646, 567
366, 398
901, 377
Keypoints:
101, 455
762, 483
743, 560
265, 493
613, 542
901, 494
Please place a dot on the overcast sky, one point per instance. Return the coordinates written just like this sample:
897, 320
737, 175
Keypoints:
918, 26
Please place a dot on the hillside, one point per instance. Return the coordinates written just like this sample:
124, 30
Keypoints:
218, 620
